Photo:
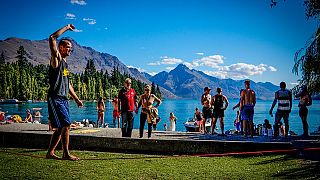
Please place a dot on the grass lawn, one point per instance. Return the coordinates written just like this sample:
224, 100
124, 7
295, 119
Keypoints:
31, 164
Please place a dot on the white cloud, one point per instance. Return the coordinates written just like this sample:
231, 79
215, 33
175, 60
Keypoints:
210, 61
238, 71
273, 69
171, 61
106, 28
79, 2
90, 21
77, 30
167, 61
152, 73
70, 16
169, 68
294, 83
139, 69
157, 63
200, 53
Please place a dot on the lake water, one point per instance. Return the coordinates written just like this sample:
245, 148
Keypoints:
183, 109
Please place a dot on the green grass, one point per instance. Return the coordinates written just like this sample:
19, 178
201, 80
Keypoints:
31, 164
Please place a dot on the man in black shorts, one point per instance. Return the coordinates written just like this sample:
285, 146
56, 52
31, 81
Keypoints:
220, 103
207, 108
58, 106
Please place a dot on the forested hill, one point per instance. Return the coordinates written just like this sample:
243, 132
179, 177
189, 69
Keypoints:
37, 53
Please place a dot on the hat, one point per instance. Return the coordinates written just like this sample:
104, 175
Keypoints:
28, 110
206, 88
148, 87
247, 81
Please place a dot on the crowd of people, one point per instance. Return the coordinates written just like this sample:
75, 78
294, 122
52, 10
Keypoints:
126, 103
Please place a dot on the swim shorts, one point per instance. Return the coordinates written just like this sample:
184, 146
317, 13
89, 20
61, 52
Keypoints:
303, 111
218, 113
116, 114
247, 112
207, 112
58, 110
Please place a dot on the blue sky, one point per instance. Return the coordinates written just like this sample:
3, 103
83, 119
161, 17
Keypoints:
235, 39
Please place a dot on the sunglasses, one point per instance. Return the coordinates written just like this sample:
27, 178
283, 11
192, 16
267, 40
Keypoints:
146, 90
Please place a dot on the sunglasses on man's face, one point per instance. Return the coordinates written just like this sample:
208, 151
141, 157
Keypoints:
147, 90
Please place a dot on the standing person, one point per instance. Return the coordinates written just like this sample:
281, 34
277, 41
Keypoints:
116, 111
173, 121
28, 117
207, 108
127, 103
247, 103
240, 119
305, 100
199, 118
58, 107
220, 103
101, 108
284, 98
146, 101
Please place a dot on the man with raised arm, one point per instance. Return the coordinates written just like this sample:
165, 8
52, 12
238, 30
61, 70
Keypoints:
58, 107
247, 103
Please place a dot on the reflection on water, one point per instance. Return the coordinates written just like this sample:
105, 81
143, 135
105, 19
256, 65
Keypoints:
183, 109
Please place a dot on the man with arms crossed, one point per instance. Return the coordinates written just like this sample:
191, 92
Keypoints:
247, 103
58, 107
207, 108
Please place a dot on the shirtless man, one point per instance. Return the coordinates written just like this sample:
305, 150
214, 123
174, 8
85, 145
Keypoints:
247, 103
116, 112
207, 108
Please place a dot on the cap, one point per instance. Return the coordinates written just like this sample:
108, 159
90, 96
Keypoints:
206, 88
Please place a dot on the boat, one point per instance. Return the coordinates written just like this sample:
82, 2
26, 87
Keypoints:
191, 125
11, 101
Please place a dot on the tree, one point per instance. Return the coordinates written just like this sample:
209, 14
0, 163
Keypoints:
307, 59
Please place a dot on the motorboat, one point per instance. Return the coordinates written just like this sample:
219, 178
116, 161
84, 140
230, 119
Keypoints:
191, 125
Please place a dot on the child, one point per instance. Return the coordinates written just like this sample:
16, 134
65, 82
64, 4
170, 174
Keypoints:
198, 117
237, 122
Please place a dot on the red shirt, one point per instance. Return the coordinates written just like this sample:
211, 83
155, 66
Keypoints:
128, 99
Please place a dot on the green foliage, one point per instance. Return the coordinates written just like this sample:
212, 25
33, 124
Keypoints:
21, 80
307, 59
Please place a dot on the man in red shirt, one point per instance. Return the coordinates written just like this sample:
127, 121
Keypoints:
127, 103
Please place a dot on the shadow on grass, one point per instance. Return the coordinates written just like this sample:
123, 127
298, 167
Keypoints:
308, 169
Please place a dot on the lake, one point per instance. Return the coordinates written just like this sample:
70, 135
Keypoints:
183, 109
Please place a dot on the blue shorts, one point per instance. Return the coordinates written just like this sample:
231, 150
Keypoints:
247, 112
58, 110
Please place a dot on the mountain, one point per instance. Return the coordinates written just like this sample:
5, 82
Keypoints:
189, 84
38, 53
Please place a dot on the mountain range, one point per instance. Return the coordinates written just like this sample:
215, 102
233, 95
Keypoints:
180, 82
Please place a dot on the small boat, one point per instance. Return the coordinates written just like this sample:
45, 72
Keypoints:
11, 101
191, 125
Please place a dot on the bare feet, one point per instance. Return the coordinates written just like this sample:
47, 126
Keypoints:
70, 157
51, 156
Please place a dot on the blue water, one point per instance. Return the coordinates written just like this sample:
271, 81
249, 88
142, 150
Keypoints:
183, 109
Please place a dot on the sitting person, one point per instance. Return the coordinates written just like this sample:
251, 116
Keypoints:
2, 116
267, 127
28, 117
16, 118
